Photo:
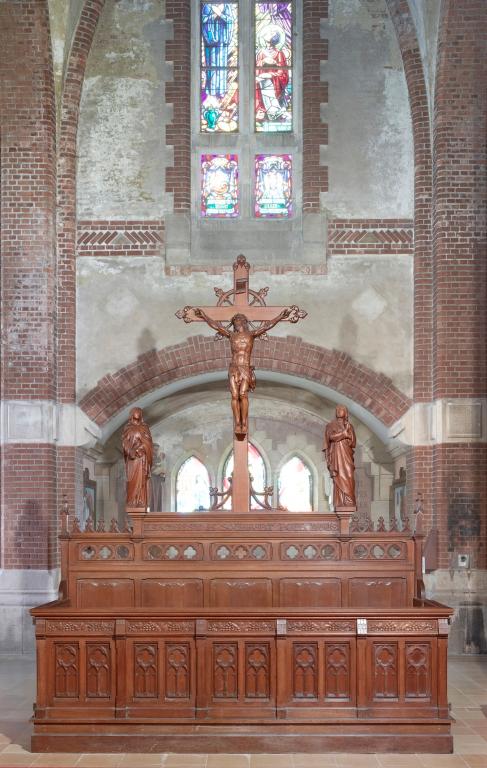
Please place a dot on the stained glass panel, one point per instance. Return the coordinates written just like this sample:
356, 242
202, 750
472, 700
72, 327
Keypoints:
219, 186
273, 60
256, 469
219, 62
192, 486
295, 486
273, 186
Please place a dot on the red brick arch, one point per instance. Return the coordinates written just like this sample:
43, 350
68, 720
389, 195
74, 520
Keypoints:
291, 355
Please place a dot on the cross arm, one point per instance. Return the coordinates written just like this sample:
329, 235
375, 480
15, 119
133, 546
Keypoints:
251, 312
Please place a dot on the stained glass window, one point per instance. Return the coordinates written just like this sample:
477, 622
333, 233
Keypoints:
273, 179
219, 67
296, 486
256, 469
192, 486
273, 62
219, 186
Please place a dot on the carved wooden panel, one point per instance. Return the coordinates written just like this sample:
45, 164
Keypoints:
98, 670
171, 593
385, 672
309, 593
225, 670
258, 550
178, 670
105, 593
240, 593
257, 670
337, 671
378, 593
146, 671
305, 670
66, 662
418, 670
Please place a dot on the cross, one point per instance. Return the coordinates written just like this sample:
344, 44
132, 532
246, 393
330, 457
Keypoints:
241, 307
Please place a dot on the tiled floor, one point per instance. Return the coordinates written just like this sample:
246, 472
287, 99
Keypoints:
468, 691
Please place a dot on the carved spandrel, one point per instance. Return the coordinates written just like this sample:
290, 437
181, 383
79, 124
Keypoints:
178, 670
225, 670
67, 670
257, 670
418, 670
305, 670
146, 671
98, 670
386, 682
337, 671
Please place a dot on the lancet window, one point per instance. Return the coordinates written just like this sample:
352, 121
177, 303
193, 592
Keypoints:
246, 101
192, 486
257, 471
295, 486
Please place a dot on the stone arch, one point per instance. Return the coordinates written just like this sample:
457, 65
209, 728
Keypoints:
374, 392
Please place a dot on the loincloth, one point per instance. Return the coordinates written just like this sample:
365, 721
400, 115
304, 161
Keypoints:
242, 373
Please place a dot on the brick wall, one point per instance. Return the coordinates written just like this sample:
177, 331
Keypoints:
315, 92
178, 132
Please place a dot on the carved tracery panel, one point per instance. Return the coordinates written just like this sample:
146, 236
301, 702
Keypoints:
178, 669
225, 670
98, 670
305, 670
257, 670
67, 670
337, 671
146, 671
418, 670
386, 681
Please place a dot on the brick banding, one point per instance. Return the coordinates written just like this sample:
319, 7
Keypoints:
202, 354
368, 236
120, 238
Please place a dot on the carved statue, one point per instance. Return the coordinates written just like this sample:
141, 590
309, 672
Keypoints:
339, 447
137, 452
241, 374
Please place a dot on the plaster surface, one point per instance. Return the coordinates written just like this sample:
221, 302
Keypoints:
121, 150
362, 306
370, 150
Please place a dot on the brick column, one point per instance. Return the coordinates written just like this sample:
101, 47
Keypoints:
28, 195
460, 270
315, 92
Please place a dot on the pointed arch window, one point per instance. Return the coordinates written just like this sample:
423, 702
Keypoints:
192, 486
246, 55
296, 486
257, 471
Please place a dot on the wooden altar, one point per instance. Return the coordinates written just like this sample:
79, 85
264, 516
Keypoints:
250, 632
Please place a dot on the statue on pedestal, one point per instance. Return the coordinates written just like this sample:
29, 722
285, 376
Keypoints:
138, 453
339, 447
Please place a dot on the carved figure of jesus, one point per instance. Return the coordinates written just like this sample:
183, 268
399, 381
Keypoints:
138, 454
339, 447
241, 374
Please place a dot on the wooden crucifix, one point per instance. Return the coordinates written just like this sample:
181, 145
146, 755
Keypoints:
241, 315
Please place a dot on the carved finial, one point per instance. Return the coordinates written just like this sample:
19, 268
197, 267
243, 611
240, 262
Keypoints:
296, 314
241, 262
114, 526
75, 528
393, 527
381, 525
407, 525
128, 525
89, 525
100, 528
